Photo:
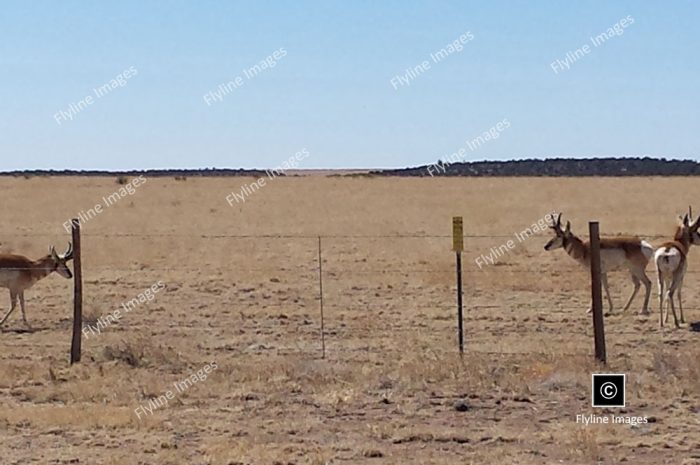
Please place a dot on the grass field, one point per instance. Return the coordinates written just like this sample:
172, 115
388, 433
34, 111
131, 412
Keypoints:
235, 324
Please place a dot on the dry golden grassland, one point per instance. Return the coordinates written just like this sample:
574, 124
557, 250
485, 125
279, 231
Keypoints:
247, 308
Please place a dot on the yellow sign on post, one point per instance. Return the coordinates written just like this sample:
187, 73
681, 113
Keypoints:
457, 234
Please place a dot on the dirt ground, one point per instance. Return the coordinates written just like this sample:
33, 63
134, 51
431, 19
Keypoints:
219, 359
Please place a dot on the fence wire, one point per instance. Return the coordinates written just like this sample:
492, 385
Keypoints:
387, 292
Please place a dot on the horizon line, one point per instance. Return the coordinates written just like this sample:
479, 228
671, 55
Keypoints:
344, 169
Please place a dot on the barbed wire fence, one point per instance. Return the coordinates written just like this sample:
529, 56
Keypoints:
344, 295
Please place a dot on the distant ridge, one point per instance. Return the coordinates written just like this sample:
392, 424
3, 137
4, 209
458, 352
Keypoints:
629, 166
564, 167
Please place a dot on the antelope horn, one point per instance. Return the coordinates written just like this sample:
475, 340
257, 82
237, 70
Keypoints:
69, 252
693, 224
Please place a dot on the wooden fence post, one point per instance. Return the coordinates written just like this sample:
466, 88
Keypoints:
596, 293
77, 294
458, 247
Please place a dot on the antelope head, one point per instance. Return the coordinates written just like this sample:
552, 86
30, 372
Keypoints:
687, 229
693, 227
561, 235
59, 261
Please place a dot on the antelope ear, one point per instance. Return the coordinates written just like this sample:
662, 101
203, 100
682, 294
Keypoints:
568, 227
693, 224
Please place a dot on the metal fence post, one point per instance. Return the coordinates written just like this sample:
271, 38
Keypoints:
320, 294
458, 247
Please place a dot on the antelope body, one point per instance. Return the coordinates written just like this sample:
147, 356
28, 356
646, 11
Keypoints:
671, 264
617, 253
19, 273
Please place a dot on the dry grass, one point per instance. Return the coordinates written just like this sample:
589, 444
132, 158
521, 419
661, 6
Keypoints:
386, 391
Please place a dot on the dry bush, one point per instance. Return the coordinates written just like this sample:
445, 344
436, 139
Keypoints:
91, 313
140, 352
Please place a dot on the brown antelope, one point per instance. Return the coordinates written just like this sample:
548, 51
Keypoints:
615, 253
18, 273
671, 263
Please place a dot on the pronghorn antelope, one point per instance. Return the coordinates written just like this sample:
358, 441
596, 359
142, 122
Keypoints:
671, 263
18, 273
615, 253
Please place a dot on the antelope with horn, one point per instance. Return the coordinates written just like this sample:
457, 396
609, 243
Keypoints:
19, 273
671, 263
616, 253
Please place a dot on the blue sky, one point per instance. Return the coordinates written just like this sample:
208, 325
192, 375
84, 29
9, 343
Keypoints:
637, 94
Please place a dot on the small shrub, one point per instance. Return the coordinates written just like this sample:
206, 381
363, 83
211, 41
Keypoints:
91, 316
132, 354
140, 352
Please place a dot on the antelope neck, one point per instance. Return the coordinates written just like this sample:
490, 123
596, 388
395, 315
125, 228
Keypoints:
576, 248
44, 266
682, 241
